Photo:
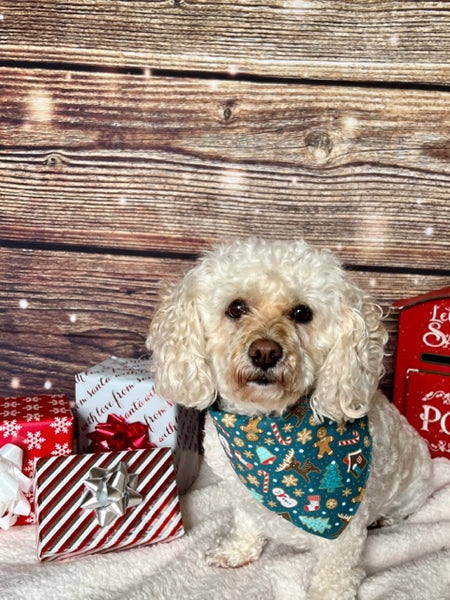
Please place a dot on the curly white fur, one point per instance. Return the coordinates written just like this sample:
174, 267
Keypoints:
202, 350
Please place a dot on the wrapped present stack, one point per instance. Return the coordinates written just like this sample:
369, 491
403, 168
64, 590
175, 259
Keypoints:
137, 452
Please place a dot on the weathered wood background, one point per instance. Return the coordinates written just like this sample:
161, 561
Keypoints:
135, 134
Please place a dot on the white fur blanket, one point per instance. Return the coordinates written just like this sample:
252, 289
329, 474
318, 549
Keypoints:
408, 562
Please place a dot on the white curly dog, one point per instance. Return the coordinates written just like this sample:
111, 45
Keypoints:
255, 328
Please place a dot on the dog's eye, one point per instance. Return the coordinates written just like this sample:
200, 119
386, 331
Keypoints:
301, 314
236, 309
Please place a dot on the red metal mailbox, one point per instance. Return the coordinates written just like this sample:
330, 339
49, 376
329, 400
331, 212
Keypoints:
422, 374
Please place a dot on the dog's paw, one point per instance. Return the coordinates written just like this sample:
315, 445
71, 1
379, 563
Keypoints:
235, 552
327, 595
333, 594
335, 584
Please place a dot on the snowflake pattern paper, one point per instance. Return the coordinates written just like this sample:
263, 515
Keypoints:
40, 426
312, 474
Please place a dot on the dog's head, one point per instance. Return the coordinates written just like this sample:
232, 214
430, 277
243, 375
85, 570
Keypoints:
262, 324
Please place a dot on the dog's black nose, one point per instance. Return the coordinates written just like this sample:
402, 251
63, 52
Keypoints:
264, 353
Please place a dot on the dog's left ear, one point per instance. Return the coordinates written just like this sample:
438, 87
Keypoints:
177, 342
349, 376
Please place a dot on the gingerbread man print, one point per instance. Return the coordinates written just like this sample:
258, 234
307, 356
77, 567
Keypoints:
323, 442
252, 430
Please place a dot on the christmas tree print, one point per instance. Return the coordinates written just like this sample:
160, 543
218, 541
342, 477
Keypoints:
332, 478
317, 524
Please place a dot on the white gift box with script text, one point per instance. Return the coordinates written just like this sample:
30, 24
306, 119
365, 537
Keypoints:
125, 387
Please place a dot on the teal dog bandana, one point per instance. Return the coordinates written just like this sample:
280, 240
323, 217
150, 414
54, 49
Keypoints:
312, 474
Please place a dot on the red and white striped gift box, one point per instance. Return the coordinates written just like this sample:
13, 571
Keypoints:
66, 529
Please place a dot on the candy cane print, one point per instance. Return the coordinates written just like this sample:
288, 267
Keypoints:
225, 445
222, 429
351, 441
265, 474
238, 455
283, 442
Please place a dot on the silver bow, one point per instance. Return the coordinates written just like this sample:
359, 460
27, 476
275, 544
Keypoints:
110, 492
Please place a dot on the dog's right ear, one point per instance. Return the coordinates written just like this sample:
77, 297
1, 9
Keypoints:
177, 341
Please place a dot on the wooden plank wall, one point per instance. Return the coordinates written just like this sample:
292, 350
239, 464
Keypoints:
133, 135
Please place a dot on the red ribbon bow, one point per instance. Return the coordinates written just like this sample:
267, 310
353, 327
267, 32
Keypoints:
117, 434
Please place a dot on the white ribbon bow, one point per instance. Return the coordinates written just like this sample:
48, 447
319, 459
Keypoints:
13, 485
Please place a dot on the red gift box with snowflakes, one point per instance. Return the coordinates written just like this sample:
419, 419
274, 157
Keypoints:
39, 425
89, 503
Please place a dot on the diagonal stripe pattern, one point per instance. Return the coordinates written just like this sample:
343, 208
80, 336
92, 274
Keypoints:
66, 529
